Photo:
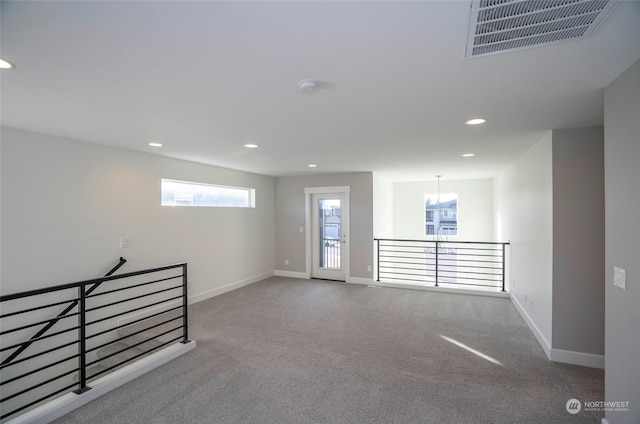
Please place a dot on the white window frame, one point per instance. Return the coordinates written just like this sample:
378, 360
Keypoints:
251, 195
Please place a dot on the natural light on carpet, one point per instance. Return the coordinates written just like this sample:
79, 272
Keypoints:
472, 350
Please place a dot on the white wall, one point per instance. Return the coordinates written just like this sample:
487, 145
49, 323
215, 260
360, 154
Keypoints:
578, 240
65, 205
524, 216
475, 209
290, 201
622, 175
382, 207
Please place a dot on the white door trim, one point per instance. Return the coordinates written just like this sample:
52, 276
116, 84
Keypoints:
308, 191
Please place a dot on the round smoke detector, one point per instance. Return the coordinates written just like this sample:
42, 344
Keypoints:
308, 86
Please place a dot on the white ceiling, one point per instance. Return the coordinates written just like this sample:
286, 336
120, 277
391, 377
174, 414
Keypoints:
206, 77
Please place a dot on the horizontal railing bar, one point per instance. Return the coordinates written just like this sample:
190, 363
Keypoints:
44, 367
430, 255
134, 286
133, 334
106, 305
469, 284
409, 279
443, 268
478, 267
468, 272
409, 273
415, 252
51, 305
409, 246
484, 261
421, 275
57, 333
29, 293
441, 242
134, 357
406, 267
134, 309
130, 347
389, 259
15, 411
24, 327
479, 249
413, 258
420, 260
481, 256
420, 263
44, 352
42, 383
133, 322
453, 262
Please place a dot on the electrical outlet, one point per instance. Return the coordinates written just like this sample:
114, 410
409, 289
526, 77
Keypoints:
286, 261
125, 243
369, 268
302, 229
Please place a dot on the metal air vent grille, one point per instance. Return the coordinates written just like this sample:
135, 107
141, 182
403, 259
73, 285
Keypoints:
504, 25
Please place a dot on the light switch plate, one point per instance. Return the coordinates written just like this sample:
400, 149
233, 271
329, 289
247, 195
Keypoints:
619, 277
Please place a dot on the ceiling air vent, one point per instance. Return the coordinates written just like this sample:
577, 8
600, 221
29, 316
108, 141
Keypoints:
498, 26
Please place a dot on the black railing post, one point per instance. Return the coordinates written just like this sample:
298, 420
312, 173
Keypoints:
378, 260
437, 248
503, 266
82, 336
185, 306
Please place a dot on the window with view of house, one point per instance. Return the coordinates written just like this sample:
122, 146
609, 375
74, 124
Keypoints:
186, 193
441, 214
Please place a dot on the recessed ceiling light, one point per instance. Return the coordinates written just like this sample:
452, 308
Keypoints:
154, 144
312, 165
476, 121
5, 64
251, 146
468, 155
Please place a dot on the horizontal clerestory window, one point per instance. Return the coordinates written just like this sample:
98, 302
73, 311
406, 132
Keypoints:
187, 193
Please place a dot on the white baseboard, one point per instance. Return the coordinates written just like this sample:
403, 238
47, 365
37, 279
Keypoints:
546, 346
67, 403
291, 274
305, 276
227, 288
398, 285
577, 358
359, 280
559, 355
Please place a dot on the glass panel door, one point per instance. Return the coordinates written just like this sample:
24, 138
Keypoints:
329, 236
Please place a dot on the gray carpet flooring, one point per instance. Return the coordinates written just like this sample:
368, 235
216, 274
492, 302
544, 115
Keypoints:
304, 351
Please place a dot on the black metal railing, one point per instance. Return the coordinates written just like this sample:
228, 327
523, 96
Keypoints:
106, 323
330, 253
439, 263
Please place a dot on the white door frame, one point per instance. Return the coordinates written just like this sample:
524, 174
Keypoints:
344, 190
